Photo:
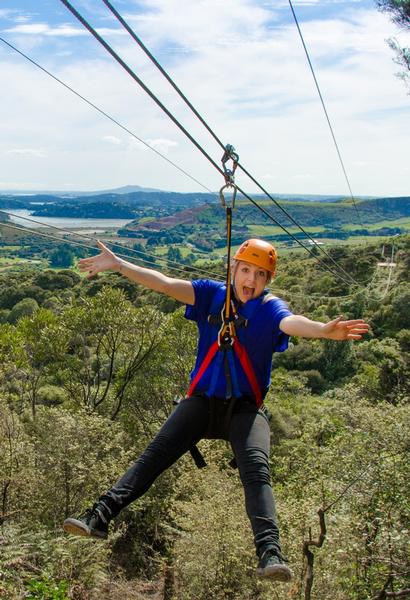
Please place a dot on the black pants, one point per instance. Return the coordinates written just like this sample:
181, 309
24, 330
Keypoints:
249, 436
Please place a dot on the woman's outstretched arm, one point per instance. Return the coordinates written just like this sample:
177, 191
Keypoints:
179, 289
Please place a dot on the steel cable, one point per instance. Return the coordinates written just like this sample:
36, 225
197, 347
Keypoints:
325, 111
138, 40
112, 52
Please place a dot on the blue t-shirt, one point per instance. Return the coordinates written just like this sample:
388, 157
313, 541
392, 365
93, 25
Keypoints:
261, 337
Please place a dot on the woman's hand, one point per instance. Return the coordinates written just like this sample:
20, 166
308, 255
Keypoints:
337, 329
102, 262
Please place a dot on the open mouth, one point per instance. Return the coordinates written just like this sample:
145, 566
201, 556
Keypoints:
247, 291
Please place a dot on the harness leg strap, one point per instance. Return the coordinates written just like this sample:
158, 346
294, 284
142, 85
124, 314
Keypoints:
197, 456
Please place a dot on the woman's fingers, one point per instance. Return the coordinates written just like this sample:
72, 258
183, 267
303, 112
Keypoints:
84, 267
101, 245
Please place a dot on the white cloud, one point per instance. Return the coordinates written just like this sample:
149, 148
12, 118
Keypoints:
45, 29
5, 13
322, 2
33, 152
60, 31
302, 176
19, 186
162, 145
259, 95
112, 139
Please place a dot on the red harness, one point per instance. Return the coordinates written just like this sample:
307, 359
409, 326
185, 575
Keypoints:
245, 364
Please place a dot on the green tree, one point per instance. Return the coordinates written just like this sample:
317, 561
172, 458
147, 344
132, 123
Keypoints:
16, 475
75, 456
109, 343
174, 254
28, 352
399, 11
62, 256
24, 308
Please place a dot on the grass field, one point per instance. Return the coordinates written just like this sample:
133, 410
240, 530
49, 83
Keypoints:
162, 250
404, 222
12, 262
269, 230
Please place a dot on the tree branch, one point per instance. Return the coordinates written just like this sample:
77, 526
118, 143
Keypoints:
310, 557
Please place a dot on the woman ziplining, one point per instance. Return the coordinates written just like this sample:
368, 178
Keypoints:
240, 326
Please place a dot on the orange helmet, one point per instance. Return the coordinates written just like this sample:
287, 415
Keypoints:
258, 252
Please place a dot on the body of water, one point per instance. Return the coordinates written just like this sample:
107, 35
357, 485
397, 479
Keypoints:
66, 222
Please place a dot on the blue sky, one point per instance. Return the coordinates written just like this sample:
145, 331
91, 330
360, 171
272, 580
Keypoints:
242, 65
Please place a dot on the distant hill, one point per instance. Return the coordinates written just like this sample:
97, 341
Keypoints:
306, 213
126, 189
164, 210
135, 194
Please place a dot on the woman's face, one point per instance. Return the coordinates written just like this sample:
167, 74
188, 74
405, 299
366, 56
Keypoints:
249, 281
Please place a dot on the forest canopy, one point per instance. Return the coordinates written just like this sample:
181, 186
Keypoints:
89, 370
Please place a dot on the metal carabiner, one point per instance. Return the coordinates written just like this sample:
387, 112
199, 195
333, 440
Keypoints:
222, 196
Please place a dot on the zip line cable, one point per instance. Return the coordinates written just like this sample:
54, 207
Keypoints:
88, 247
141, 140
134, 76
141, 44
165, 158
112, 52
102, 112
113, 244
156, 151
325, 111
138, 40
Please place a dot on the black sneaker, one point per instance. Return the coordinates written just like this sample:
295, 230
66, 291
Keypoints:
272, 566
91, 523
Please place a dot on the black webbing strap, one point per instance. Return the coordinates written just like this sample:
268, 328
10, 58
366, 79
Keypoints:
197, 456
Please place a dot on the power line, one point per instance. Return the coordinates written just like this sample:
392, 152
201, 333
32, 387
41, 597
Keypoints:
325, 111
145, 261
88, 247
86, 237
140, 43
113, 244
73, 242
105, 114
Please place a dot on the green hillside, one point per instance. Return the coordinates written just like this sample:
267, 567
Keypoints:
204, 226
89, 371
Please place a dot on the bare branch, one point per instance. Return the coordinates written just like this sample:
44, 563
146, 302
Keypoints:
310, 557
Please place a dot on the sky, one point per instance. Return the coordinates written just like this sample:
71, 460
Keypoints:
242, 65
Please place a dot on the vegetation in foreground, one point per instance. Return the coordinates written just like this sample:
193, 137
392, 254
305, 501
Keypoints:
89, 371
